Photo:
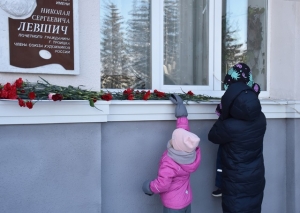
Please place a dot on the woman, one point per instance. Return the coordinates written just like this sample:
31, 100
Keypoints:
240, 131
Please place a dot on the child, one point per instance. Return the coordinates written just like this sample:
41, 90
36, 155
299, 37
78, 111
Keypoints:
218, 179
240, 131
182, 122
181, 158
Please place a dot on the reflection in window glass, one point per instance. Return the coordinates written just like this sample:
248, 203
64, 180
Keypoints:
185, 42
125, 44
244, 37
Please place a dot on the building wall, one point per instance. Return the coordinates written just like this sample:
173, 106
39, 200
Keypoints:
292, 168
97, 167
50, 168
297, 54
100, 167
284, 51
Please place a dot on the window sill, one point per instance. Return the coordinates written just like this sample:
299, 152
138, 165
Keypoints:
47, 112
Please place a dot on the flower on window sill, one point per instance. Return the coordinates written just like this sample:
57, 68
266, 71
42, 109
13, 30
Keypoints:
190, 93
29, 104
22, 103
128, 91
146, 96
130, 97
106, 97
57, 97
31, 95
8, 91
28, 94
159, 94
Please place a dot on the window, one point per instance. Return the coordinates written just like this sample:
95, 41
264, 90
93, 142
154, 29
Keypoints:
125, 44
244, 36
175, 45
185, 60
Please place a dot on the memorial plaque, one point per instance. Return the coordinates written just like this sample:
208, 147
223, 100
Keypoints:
45, 41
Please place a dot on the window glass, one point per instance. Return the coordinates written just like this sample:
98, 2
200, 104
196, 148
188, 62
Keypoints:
185, 42
244, 37
193, 45
125, 44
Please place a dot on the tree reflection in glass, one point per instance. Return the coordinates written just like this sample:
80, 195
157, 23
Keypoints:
185, 42
244, 37
125, 44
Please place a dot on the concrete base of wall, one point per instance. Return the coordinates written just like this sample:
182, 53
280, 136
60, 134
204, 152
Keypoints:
92, 168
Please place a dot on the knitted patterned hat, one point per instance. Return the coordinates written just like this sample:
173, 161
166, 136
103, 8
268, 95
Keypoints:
183, 140
240, 73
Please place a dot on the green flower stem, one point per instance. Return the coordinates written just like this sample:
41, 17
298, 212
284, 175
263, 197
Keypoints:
43, 88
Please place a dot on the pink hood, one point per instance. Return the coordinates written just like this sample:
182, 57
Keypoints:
173, 181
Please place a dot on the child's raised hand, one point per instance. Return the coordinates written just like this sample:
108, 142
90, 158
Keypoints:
180, 110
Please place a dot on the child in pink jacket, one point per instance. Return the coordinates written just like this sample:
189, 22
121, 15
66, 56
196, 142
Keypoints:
181, 158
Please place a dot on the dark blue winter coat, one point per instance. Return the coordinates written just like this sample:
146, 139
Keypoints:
240, 131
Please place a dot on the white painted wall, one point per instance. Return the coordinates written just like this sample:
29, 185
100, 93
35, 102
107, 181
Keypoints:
89, 49
297, 55
284, 49
284, 35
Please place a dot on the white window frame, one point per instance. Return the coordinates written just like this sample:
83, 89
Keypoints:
215, 58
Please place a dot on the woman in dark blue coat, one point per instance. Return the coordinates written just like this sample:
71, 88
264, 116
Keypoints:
240, 131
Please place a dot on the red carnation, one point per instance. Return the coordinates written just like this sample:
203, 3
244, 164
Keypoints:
146, 95
29, 104
57, 97
22, 103
106, 97
159, 94
190, 93
130, 97
7, 86
31, 95
12, 95
13, 92
8, 91
19, 82
128, 91
3, 94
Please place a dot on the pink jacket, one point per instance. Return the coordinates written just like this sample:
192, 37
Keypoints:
173, 181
